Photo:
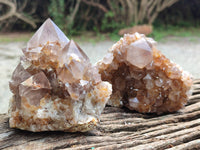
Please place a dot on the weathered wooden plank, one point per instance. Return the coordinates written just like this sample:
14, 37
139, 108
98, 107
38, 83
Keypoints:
119, 129
188, 146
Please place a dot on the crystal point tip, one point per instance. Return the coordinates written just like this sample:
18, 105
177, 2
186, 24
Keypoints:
48, 32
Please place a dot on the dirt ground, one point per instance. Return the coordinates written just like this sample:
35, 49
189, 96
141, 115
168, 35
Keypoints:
183, 51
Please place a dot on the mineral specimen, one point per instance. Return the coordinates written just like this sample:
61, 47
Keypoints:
142, 78
55, 87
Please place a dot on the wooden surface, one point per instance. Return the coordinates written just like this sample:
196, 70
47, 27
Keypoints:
119, 129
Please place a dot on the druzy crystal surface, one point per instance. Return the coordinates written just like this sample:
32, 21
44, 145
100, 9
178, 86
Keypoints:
55, 87
142, 78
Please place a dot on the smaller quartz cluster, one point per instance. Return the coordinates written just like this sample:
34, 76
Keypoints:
54, 86
142, 78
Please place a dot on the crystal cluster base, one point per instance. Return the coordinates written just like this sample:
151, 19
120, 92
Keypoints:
55, 87
142, 78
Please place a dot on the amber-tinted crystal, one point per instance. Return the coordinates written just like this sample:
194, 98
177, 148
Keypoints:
55, 87
143, 79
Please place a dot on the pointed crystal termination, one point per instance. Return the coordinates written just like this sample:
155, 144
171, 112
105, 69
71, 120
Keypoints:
19, 75
35, 88
74, 63
45, 41
72, 50
48, 32
55, 87
142, 78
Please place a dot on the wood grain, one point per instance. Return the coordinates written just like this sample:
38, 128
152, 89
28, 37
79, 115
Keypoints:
119, 129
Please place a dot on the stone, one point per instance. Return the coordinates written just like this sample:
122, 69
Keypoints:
142, 29
55, 87
142, 78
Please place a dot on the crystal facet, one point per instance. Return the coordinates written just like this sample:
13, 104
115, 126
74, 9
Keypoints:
35, 88
143, 79
74, 63
55, 87
48, 32
141, 52
19, 75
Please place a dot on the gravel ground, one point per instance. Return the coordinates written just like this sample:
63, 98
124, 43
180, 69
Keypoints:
183, 51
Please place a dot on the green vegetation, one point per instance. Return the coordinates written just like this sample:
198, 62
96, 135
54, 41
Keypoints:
159, 34
104, 18
108, 23
56, 9
63, 15
91, 37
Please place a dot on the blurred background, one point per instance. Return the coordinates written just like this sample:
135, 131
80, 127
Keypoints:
75, 17
96, 25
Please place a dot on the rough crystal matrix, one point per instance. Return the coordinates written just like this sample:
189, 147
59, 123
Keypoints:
54, 86
142, 78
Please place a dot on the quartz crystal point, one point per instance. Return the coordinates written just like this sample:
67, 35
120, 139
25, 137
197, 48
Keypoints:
143, 79
48, 32
55, 87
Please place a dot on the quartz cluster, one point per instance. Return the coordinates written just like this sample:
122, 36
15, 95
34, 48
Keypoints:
142, 78
54, 86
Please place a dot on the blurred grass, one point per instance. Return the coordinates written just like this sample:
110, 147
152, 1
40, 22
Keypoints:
159, 34
15, 37
91, 37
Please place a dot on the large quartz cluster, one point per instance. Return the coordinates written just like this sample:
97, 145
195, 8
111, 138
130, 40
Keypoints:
55, 87
142, 78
